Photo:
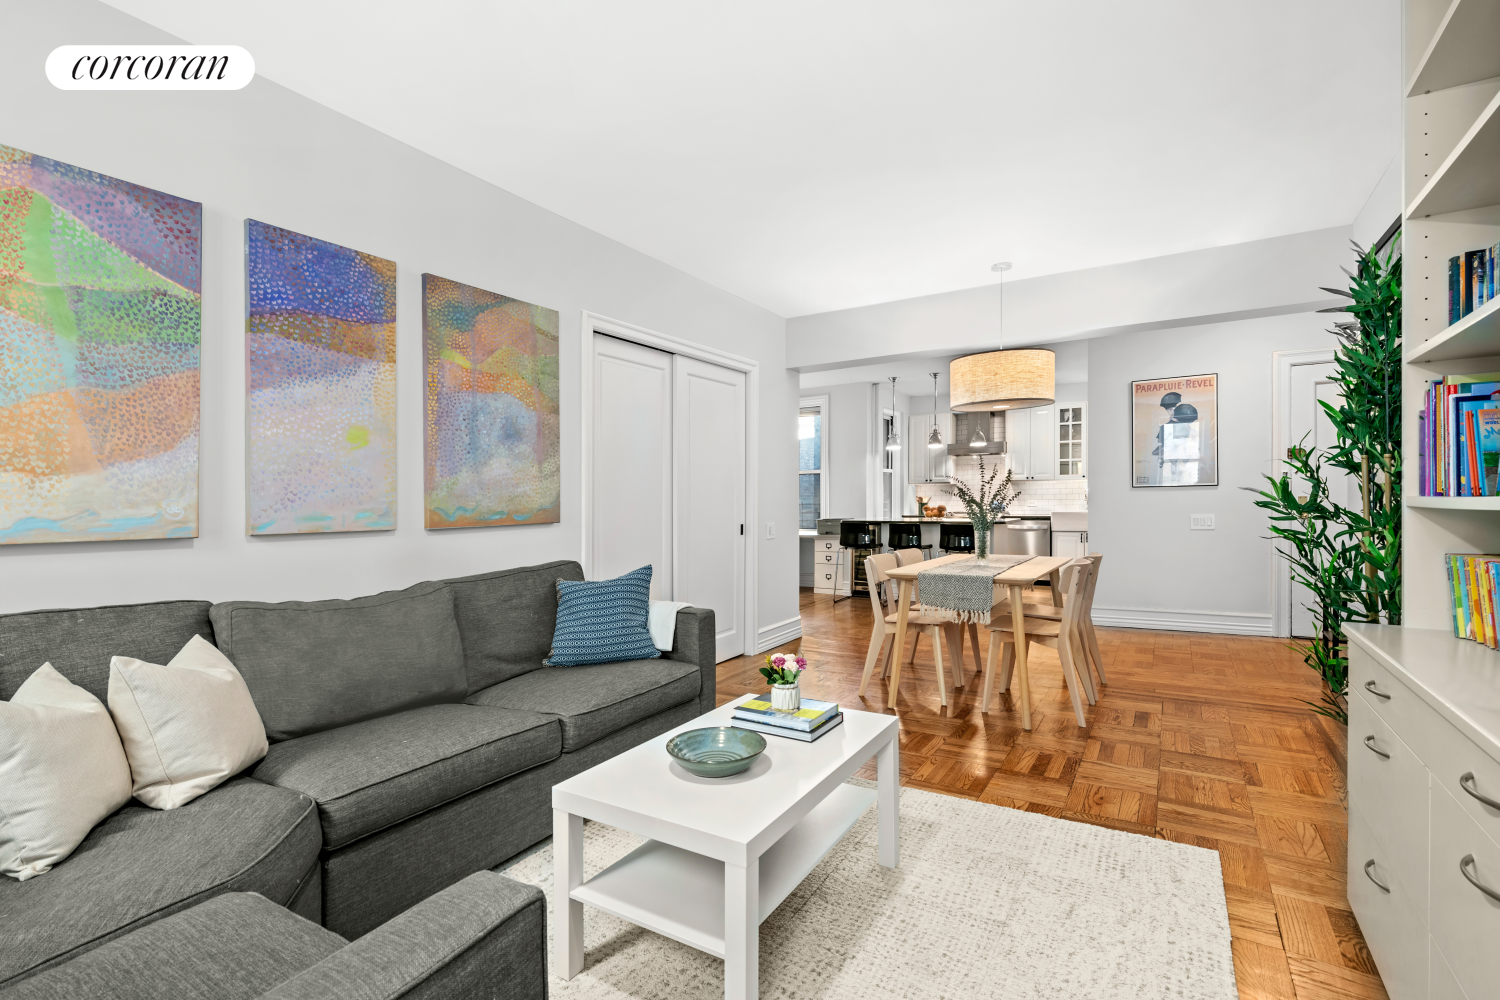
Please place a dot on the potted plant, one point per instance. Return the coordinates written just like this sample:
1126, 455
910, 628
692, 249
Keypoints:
784, 671
986, 505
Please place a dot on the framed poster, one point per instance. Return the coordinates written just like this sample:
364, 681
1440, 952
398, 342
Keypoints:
1175, 431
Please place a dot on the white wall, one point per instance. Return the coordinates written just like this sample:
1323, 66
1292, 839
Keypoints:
850, 419
1157, 573
1381, 208
270, 154
1262, 278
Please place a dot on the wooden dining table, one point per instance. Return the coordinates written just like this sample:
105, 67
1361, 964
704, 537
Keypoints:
1014, 580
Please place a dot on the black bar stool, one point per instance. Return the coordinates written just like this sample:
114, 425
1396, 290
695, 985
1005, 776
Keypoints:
859, 539
956, 538
907, 536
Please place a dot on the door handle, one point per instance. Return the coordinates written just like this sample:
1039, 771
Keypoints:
1370, 743
1467, 783
1378, 884
1370, 687
1464, 864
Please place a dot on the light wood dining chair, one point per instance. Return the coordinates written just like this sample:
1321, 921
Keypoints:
905, 557
1086, 620
938, 630
1061, 634
1089, 656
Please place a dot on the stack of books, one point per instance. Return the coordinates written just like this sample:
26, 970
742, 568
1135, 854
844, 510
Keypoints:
1471, 281
808, 723
1476, 581
1458, 442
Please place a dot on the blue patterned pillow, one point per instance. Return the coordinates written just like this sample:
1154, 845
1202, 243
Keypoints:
603, 621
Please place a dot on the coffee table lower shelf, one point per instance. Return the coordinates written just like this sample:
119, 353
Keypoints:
680, 894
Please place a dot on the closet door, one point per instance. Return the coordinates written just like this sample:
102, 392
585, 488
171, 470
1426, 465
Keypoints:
630, 517
709, 458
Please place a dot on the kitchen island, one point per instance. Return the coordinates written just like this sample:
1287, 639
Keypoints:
826, 565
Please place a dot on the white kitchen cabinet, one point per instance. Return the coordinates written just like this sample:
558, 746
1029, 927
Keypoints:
1043, 442
1031, 433
830, 566
1070, 544
924, 464
1424, 840
1018, 440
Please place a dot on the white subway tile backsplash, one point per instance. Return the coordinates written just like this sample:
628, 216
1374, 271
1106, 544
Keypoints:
1031, 494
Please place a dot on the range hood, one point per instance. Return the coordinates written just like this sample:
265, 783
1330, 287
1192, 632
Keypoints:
993, 425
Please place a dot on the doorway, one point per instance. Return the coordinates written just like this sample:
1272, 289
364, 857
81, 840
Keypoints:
1304, 381
667, 462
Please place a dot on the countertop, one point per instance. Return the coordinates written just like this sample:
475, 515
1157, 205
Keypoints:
1071, 520
1458, 678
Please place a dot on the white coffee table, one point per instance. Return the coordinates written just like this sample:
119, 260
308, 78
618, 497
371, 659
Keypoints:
721, 853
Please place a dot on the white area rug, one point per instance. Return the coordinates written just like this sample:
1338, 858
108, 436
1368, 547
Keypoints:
987, 902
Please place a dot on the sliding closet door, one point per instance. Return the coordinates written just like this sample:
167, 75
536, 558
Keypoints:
709, 458
630, 516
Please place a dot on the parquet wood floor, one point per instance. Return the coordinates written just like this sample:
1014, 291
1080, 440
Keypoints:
1201, 739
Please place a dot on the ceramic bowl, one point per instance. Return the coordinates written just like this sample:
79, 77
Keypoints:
716, 752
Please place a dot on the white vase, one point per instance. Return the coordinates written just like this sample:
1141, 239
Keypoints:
786, 697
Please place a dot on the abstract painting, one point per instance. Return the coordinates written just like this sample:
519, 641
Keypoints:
491, 421
320, 352
100, 304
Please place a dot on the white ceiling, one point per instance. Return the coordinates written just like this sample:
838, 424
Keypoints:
819, 156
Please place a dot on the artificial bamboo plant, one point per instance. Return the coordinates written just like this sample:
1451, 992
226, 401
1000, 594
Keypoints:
1349, 558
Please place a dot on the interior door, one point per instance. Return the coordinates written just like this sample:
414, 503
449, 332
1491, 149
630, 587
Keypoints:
630, 520
1309, 384
709, 457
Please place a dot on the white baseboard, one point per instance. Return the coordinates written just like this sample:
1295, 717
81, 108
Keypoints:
775, 635
806, 580
1226, 622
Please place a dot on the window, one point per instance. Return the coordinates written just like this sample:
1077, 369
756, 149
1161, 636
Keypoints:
812, 481
1070, 440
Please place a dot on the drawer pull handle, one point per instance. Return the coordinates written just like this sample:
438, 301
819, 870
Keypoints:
1463, 866
1378, 884
1466, 782
1370, 687
1370, 742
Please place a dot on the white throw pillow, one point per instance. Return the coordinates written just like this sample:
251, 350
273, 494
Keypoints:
186, 726
62, 770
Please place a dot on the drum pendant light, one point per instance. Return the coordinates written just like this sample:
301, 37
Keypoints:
935, 439
1002, 380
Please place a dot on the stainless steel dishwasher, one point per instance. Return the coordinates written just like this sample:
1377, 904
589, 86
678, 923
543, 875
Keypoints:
1028, 537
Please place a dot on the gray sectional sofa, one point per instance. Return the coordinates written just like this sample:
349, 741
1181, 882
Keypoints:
415, 737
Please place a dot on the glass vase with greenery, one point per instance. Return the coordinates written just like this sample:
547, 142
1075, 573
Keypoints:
985, 506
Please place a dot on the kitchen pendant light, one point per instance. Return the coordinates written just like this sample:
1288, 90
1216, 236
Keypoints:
977, 439
1002, 380
893, 443
935, 439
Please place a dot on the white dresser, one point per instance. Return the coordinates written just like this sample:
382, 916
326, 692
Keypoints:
830, 566
1424, 809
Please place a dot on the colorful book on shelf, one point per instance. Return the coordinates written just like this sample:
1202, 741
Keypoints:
1475, 583
1458, 624
810, 716
1489, 450
1471, 453
790, 734
1455, 298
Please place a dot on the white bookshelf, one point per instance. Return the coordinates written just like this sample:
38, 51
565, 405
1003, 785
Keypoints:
1451, 189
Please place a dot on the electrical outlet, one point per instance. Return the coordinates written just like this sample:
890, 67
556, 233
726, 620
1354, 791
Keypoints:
770, 529
1201, 522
